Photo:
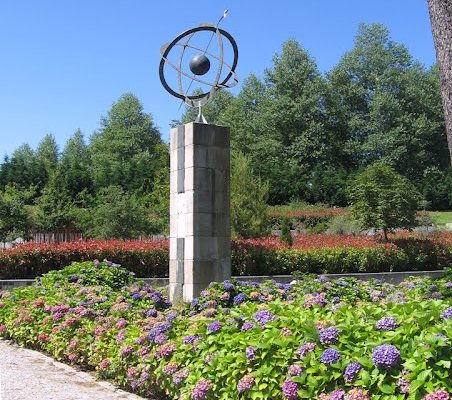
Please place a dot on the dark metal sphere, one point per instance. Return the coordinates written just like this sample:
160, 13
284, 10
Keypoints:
199, 64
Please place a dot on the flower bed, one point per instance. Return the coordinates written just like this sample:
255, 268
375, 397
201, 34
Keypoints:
318, 253
313, 339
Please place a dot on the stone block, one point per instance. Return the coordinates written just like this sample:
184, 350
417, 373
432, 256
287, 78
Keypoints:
206, 135
176, 292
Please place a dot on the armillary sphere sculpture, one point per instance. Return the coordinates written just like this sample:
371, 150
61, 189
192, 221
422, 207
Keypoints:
199, 65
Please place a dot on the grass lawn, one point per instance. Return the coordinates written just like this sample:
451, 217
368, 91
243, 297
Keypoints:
441, 217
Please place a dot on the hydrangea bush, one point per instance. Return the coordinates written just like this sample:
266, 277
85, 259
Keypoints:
311, 339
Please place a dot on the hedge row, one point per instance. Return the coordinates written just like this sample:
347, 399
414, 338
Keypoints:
252, 257
145, 259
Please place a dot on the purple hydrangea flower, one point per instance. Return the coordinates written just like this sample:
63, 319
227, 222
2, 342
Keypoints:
330, 356
136, 296
403, 384
337, 395
386, 324
351, 371
239, 299
329, 335
305, 348
295, 370
290, 389
158, 329
336, 299
170, 368
152, 312
172, 315
447, 314
263, 317
195, 302
228, 286
448, 285
126, 351
247, 326
191, 339
386, 356
214, 327
437, 395
160, 338
246, 383
250, 353
180, 376
201, 389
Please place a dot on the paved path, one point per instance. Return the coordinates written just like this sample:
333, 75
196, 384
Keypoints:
29, 375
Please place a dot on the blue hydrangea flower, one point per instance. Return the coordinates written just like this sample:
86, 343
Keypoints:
228, 286
329, 335
447, 314
386, 324
239, 299
214, 327
351, 371
386, 356
263, 317
247, 326
250, 353
330, 356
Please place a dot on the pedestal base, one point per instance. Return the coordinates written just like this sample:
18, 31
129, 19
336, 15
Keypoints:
200, 250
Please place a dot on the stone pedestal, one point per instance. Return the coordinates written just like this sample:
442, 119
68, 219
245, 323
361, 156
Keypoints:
200, 250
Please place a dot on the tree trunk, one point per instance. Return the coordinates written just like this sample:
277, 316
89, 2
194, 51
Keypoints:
441, 20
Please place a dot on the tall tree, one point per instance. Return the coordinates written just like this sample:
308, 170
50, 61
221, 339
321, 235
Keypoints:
53, 207
441, 20
75, 166
386, 107
23, 169
47, 156
294, 117
249, 210
124, 152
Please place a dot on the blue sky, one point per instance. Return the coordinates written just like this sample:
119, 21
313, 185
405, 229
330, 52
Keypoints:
63, 63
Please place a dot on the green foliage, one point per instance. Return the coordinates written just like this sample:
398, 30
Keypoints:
124, 152
385, 106
383, 199
22, 169
248, 199
437, 188
75, 166
441, 217
53, 206
15, 219
89, 273
116, 214
47, 157
159, 198
344, 225
286, 235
